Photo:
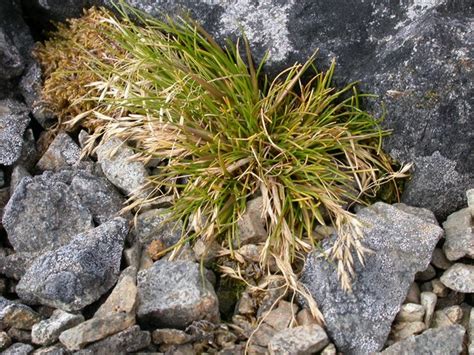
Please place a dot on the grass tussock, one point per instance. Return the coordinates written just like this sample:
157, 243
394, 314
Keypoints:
222, 132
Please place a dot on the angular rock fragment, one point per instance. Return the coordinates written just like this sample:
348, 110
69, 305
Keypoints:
115, 158
47, 331
447, 340
126, 342
77, 274
17, 315
307, 339
428, 300
251, 226
403, 330
459, 234
43, 214
95, 329
13, 122
174, 294
5, 340
56, 349
153, 225
460, 278
61, 153
19, 172
411, 312
15, 265
123, 297
402, 244
19, 349
170, 336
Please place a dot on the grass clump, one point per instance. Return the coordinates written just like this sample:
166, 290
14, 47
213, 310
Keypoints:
222, 131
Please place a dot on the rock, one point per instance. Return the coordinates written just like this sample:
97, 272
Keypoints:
29, 152
428, 300
15, 265
246, 304
11, 62
460, 278
440, 341
31, 83
19, 335
154, 225
426, 274
43, 214
62, 152
95, 329
329, 350
403, 330
470, 200
447, 316
459, 234
402, 244
4, 197
280, 317
2, 178
251, 226
19, 172
304, 317
114, 157
306, 339
470, 330
439, 260
263, 334
123, 297
126, 342
439, 289
133, 255
99, 196
56, 349
411, 312
413, 295
422, 213
13, 122
17, 315
19, 349
452, 299
174, 294
77, 274
47, 331
5, 340
170, 337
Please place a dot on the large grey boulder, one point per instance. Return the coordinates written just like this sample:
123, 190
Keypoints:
439, 341
44, 213
77, 274
13, 122
174, 294
359, 322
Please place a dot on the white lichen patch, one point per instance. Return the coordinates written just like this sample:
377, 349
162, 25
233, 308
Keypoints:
263, 22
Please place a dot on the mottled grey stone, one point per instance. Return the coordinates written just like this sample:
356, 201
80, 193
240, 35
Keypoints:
174, 294
95, 329
19, 172
127, 341
460, 278
17, 315
11, 62
56, 349
44, 213
31, 83
15, 265
99, 196
305, 339
19, 349
114, 156
5, 340
29, 152
77, 274
421, 213
47, 331
13, 121
359, 322
154, 225
251, 226
441, 341
62, 152
459, 235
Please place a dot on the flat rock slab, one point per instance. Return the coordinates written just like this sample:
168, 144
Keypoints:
305, 339
125, 342
47, 331
13, 122
439, 341
77, 274
175, 294
359, 322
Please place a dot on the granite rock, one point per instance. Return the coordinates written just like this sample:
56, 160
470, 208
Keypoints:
47, 331
306, 339
78, 273
447, 340
127, 341
152, 225
17, 315
19, 349
62, 152
13, 122
360, 321
174, 294
460, 278
459, 234
44, 213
